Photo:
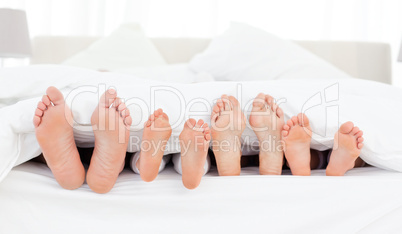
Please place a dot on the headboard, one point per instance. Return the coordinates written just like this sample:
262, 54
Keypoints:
366, 60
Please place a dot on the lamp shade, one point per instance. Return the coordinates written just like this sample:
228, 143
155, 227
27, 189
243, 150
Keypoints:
14, 36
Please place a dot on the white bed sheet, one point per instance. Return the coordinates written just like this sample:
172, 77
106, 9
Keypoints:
367, 200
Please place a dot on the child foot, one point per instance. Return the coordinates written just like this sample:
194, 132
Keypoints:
348, 142
296, 136
267, 121
111, 128
157, 132
228, 124
53, 127
194, 142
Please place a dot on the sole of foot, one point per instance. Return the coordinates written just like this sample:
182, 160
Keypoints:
194, 142
266, 119
110, 122
53, 122
296, 137
228, 123
157, 131
348, 142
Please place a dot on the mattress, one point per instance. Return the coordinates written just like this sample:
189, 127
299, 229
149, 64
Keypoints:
366, 200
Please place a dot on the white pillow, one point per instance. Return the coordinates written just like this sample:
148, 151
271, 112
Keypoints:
247, 53
125, 47
176, 73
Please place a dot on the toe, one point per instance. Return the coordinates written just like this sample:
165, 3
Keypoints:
46, 100
290, 123
121, 107
216, 108
39, 112
199, 123
215, 112
285, 133
226, 103
279, 112
55, 96
108, 98
274, 107
116, 103
219, 103
157, 113
360, 139
302, 119
165, 116
294, 121
269, 99
354, 131
286, 127
125, 112
147, 123
128, 120
234, 101
207, 134
346, 127
360, 145
207, 137
359, 134
41, 106
190, 123
36, 120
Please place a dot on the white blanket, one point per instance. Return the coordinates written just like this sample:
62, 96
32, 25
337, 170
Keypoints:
372, 106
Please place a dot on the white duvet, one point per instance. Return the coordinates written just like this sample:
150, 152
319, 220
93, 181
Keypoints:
373, 107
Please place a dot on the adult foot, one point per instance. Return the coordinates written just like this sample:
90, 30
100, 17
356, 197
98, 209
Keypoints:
228, 124
266, 119
53, 127
296, 136
156, 133
348, 142
110, 121
194, 143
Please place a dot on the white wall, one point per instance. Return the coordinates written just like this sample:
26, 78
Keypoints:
361, 20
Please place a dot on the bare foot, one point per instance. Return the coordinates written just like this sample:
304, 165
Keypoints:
267, 121
348, 142
111, 128
296, 136
54, 132
194, 143
157, 132
228, 124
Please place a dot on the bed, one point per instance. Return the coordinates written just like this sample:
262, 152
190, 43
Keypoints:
367, 200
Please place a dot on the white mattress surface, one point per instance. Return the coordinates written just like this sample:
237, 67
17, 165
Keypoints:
366, 200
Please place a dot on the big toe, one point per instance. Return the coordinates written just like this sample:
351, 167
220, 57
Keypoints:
108, 98
346, 127
234, 101
303, 120
55, 96
259, 101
